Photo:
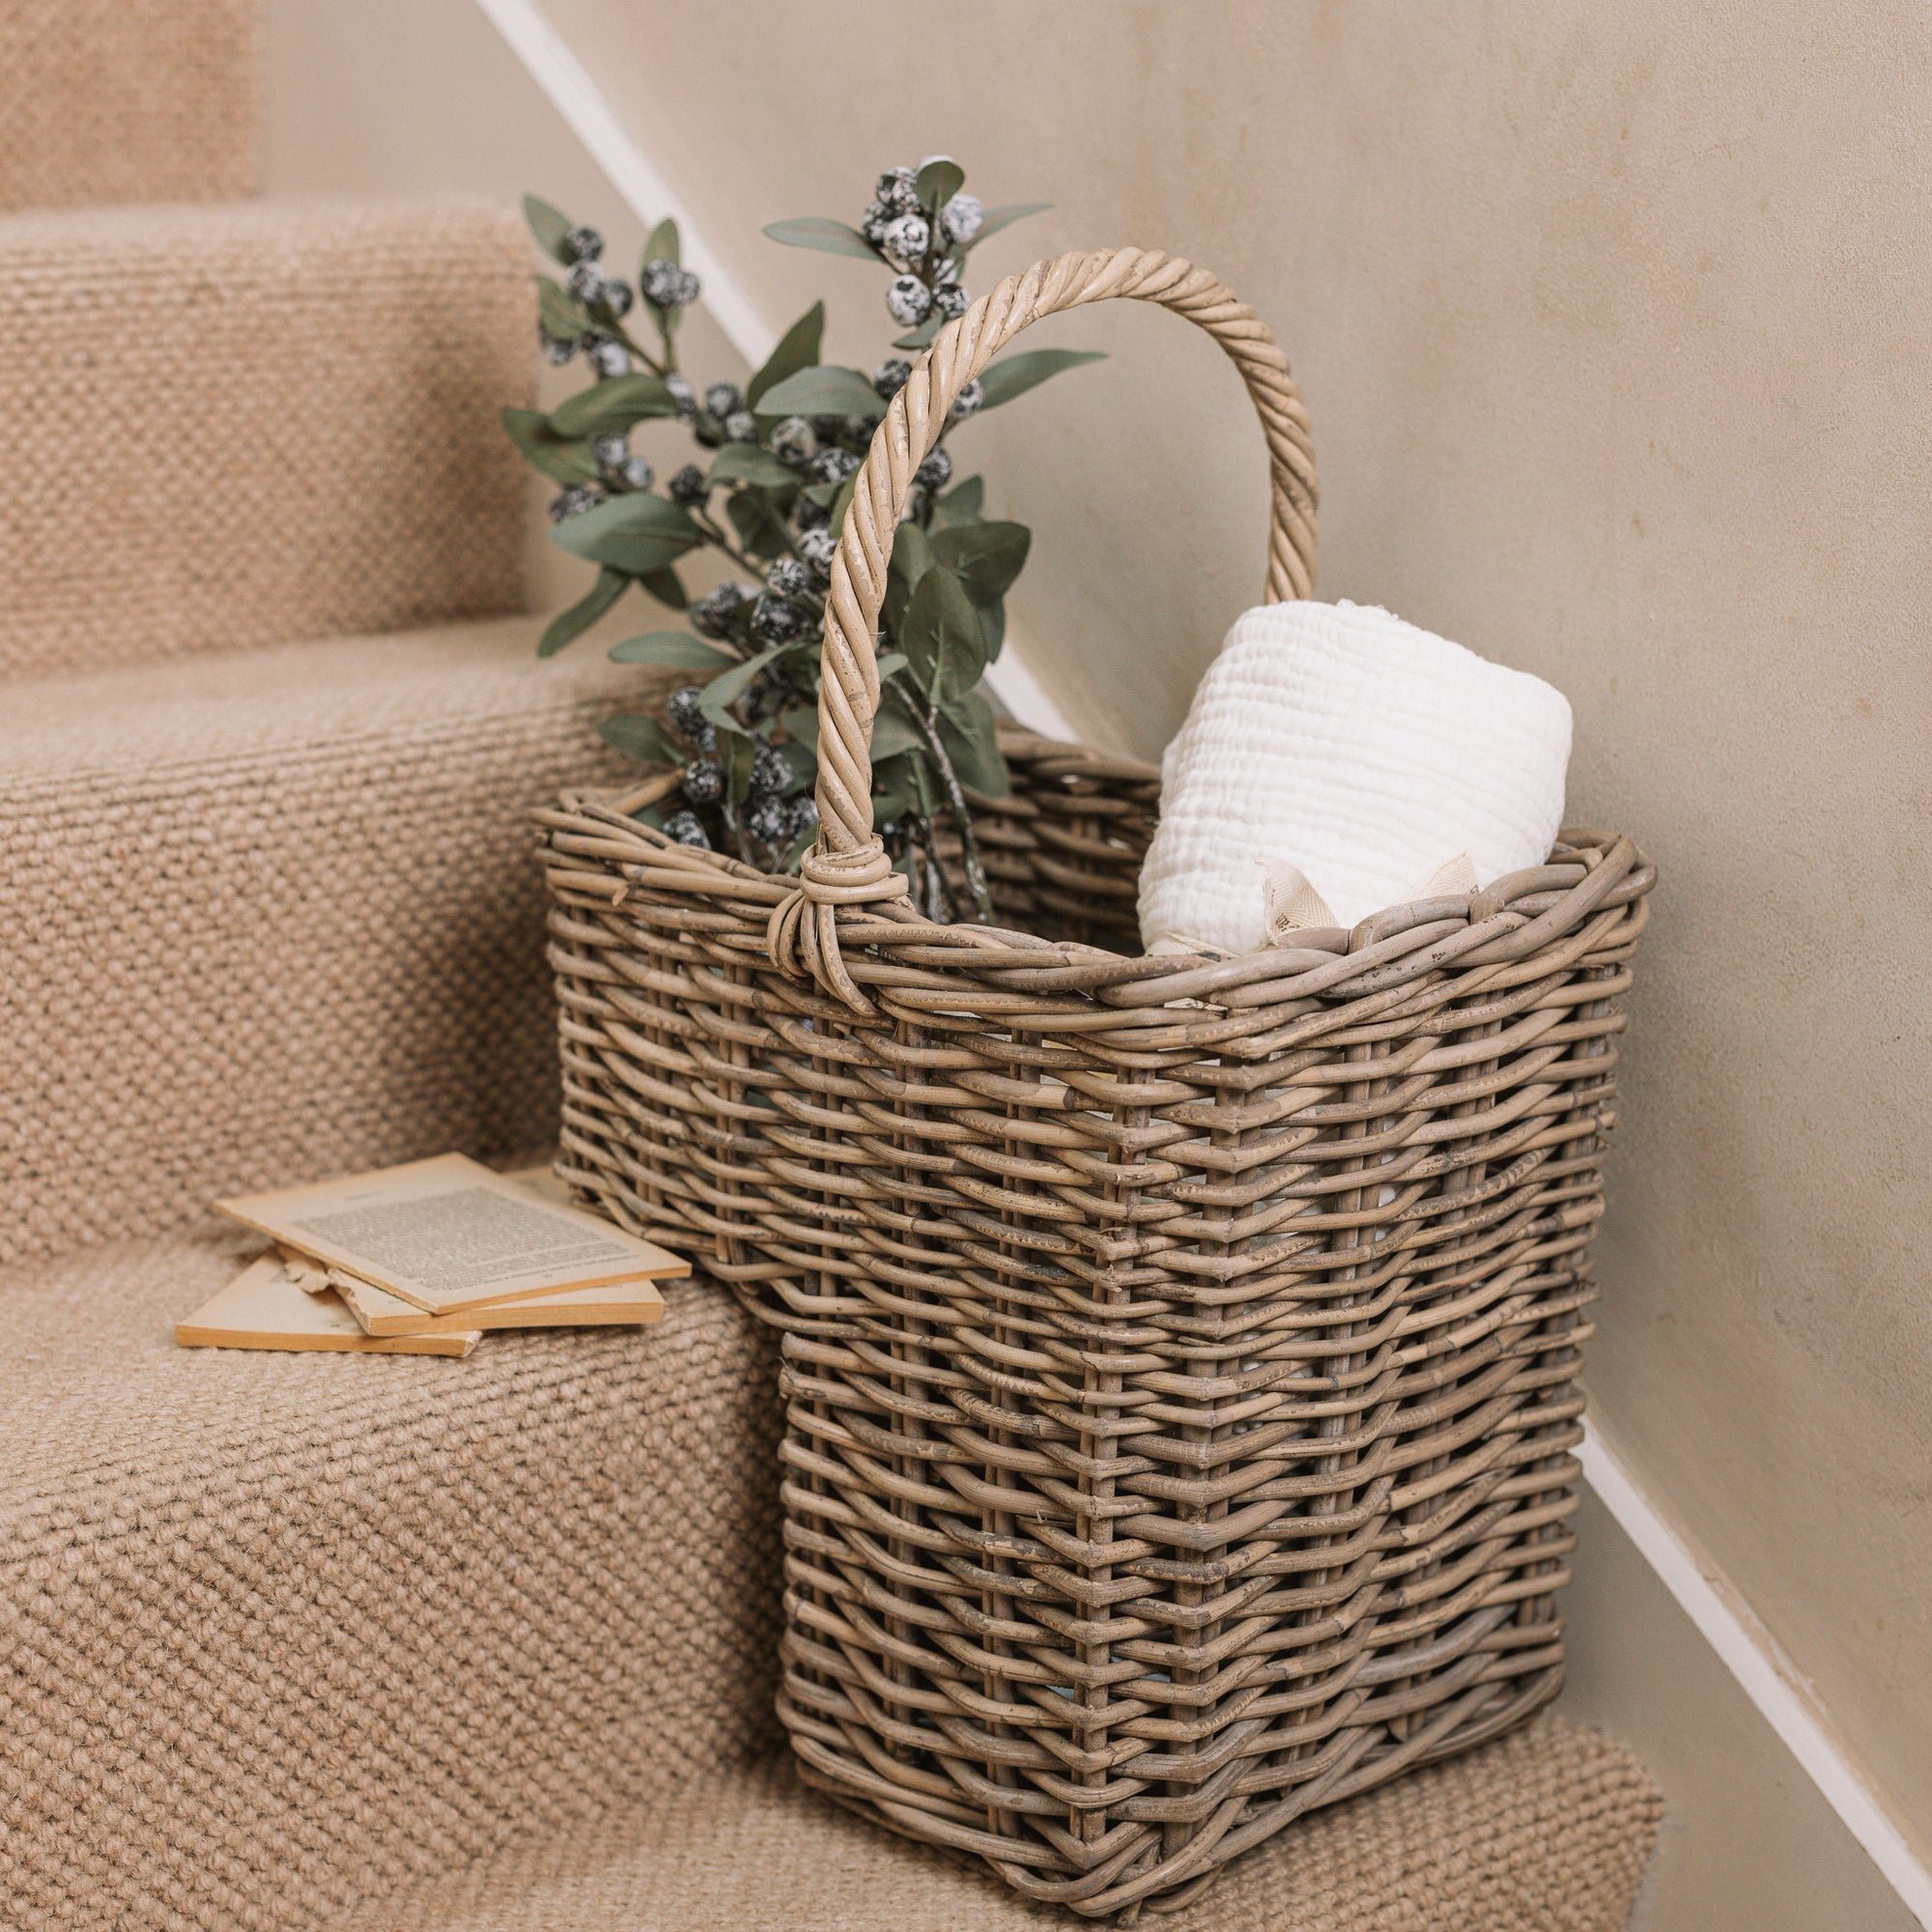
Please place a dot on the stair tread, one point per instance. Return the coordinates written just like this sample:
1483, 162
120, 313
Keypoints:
278, 1629
286, 415
184, 712
109, 102
276, 915
1548, 1828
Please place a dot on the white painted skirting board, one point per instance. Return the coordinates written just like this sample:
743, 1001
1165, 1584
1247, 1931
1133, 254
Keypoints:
577, 99
1725, 1622
1719, 1613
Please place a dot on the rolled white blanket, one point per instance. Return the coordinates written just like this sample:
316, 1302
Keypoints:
1337, 760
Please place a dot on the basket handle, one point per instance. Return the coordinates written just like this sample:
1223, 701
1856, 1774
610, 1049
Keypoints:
849, 867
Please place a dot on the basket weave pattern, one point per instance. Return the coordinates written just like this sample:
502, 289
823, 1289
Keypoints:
1180, 1354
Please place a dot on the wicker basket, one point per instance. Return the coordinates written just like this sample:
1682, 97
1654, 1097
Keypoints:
1180, 1353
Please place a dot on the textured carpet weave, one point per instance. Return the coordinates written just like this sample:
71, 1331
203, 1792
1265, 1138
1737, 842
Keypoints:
246, 425
1545, 1830
279, 1631
276, 916
127, 100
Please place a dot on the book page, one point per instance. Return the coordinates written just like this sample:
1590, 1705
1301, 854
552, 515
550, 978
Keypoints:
380, 1313
265, 1308
449, 1234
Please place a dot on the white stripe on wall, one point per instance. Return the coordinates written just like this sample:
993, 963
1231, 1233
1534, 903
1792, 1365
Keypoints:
1751, 1654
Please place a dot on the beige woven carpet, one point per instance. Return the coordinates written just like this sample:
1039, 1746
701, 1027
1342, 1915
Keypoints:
127, 100
286, 418
1546, 1831
278, 1629
276, 916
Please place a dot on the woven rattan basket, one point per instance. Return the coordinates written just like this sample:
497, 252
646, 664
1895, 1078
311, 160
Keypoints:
1180, 1353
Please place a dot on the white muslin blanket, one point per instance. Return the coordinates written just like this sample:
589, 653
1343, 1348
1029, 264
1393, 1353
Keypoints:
1337, 760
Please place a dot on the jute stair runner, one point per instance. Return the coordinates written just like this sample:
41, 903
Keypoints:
128, 100
272, 916
281, 1632
1545, 1830
310, 1642
316, 450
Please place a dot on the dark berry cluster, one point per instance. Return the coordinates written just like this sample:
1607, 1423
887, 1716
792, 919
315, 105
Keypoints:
765, 807
925, 238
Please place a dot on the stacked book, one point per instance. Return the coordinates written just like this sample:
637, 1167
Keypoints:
423, 1260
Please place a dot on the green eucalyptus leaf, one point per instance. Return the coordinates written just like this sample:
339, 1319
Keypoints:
662, 244
746, 462
912, 558
798, 848
824, 390
940, 637
570, 624
678, 650
895, 790
842, 503
814, 231
993, 622
642, 738
549, 225
986, 557
1004, 217
561, 313
760, 528
893, 731
965, 502
971, 734
937, 183
609, 408
718, 696
1015, 374
921, 336
667, 587
798, 349
560, 458
638, 533
735, 753
929, 792
801, 726
891, 663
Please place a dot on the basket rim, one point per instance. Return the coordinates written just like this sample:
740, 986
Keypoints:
1589, 896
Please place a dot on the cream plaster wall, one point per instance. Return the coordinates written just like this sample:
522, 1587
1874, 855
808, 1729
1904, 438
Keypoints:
1616, 326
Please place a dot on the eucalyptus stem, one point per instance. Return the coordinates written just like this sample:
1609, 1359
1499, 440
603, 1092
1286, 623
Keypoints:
735, 826
702, 518
956, 798
938, 902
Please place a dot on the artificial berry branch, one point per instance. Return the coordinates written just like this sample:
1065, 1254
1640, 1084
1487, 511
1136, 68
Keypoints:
783, 451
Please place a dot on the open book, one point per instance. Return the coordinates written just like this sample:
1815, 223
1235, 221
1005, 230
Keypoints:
449, 1236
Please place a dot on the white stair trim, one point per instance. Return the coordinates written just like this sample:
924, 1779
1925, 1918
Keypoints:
1783, 1697
1719, 1613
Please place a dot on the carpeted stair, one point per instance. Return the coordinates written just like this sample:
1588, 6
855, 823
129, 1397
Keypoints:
274, 913
306, 1643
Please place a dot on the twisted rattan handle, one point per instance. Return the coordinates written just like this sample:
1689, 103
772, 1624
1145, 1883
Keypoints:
850, 866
